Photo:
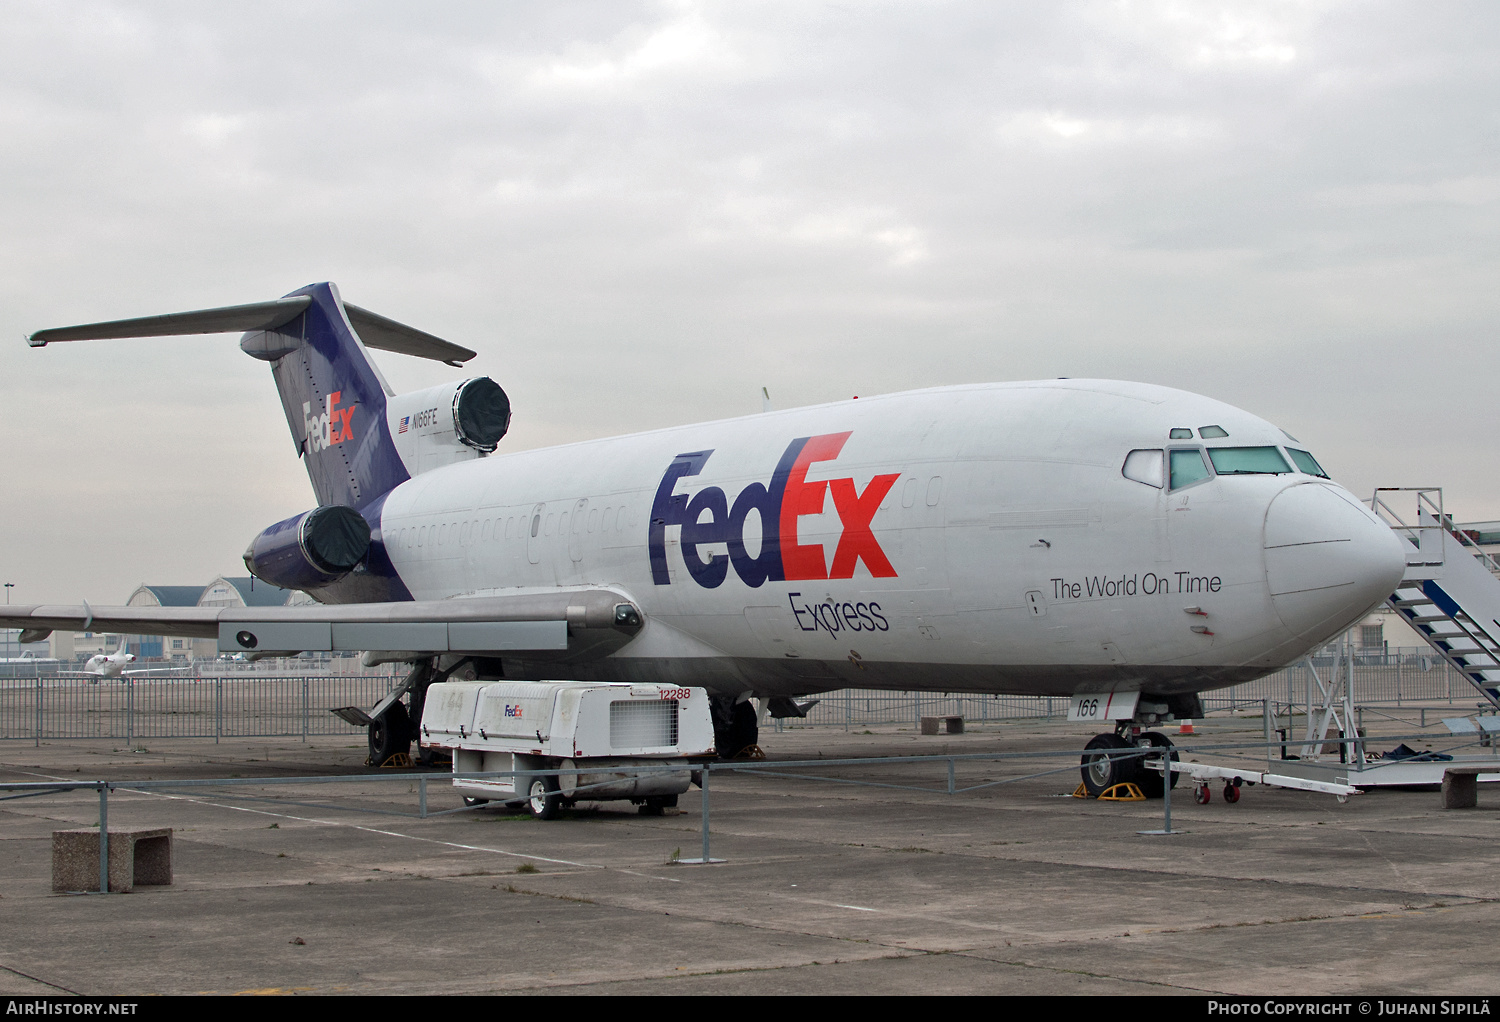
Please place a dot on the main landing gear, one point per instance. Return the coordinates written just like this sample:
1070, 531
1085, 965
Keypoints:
390, 734
735, 725
1106, 762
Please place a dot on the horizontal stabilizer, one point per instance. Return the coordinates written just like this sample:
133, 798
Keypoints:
229, 319
386, 334
376, 331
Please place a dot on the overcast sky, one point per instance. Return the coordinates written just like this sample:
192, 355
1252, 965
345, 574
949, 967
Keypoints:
641, 213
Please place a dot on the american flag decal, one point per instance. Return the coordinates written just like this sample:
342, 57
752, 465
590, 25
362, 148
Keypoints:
405, 424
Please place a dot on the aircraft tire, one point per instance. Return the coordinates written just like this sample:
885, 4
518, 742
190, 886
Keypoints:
741, 731
543, 798
390, 735
1149, 780
1100, 773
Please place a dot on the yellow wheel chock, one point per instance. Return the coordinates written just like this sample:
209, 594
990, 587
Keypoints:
1114, 793
397, 762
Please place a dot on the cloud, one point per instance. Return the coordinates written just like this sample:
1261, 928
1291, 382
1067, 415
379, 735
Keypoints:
685, 46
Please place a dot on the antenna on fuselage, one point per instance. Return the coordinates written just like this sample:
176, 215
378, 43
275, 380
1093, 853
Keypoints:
765, 400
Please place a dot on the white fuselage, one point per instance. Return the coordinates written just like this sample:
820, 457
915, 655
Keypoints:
979, 538
109, 665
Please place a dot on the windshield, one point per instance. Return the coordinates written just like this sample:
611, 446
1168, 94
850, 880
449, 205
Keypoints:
1238, 461
1187, 467
1307, 463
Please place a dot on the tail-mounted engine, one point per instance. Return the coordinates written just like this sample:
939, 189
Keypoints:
311, 550
448, 423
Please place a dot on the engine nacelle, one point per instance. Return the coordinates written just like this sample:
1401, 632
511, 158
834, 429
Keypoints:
310, 550
448, 423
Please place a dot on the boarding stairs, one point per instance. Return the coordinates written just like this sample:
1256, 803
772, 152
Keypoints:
1450, 593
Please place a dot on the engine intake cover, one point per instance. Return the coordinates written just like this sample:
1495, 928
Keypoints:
311, 550
448, 424
481, 413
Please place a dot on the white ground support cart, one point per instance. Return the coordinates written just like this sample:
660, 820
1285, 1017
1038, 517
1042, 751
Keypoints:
1204, 774
621, 738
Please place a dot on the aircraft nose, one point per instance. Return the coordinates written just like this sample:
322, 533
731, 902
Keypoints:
1329, 560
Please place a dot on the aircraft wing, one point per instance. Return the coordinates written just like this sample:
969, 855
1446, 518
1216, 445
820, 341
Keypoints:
553, 623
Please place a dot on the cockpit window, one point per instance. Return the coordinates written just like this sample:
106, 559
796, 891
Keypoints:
1212, 432
1144, 467
1239, 461
1306, 462
1181, 433
1187, 467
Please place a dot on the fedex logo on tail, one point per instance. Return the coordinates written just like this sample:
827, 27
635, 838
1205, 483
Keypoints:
709, 518
329, 428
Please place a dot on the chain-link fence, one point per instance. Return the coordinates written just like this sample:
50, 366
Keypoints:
267, 705
1397, 678
224, 707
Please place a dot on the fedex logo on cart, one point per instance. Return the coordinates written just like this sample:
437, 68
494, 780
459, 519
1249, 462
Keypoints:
709, 518
512, 711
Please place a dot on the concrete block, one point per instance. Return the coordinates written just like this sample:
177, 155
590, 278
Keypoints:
136, 856
954, 725
1461, 788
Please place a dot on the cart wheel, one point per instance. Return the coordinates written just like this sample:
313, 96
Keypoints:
543, 797
470, 801
1231, 793
1202, 794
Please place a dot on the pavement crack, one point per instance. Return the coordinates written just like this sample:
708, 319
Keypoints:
1059, 971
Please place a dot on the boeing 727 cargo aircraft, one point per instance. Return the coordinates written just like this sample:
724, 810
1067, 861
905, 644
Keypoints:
1126, 545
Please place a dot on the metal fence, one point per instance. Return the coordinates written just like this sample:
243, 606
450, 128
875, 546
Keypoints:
1398, 678
225, 707
268, 705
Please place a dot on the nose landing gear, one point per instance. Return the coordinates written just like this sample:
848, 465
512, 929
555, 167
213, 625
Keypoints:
1106, 766
1106, 763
